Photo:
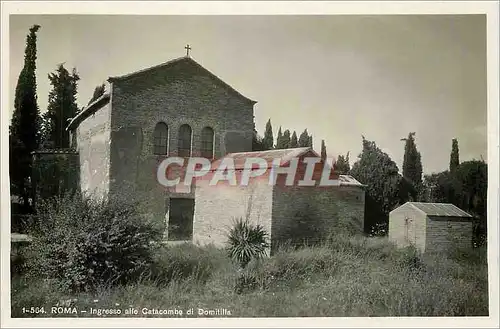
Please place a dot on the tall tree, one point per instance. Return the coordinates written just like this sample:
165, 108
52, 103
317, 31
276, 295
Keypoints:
454, 156
257, 144
304, 139
342, 165
310, 142
62, 107
412, 163
268, 140
384, 185
286, 139
323, 150
24, 130
294, 141
279, 140
466, 188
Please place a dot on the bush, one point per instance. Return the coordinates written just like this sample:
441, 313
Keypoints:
83, 243
408, 258
246, 242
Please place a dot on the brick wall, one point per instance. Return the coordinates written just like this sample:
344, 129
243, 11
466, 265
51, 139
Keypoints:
312, 213
93, 145
445, 235
216, 208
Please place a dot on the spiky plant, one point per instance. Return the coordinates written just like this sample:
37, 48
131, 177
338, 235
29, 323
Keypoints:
246, 242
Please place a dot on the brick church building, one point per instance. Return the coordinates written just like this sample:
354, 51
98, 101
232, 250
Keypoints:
177, 108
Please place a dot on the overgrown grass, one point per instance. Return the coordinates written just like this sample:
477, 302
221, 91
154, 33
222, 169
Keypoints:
346, 276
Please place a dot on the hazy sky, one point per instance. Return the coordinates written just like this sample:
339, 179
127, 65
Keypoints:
339, 76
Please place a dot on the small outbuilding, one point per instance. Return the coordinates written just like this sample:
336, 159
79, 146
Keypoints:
430, 226
290, 213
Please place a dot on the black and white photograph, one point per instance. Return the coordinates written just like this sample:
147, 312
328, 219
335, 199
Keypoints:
203, 166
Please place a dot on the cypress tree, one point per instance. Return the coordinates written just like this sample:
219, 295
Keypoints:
279, 140
412, 163
24, 130
286, 139
342, 165
454, 156
293, 141
323, 149
268, 140
62, 107
304, 139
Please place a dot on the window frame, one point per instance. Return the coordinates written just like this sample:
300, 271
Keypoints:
157, 146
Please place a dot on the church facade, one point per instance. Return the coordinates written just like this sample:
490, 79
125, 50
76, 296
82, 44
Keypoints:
180, 109
174, 109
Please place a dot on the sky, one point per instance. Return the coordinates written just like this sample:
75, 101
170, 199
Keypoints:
341, 77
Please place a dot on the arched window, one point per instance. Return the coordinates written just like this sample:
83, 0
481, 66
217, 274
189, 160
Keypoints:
207, 143
160, 139
184, 144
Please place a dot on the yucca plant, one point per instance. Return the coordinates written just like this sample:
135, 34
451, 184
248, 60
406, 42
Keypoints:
246, 242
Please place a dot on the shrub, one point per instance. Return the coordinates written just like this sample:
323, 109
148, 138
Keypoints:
83, 242
246, 242
408, 258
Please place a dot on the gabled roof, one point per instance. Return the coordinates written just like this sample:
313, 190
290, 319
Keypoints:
89, 109
348, 180
171, 63
440, 209
284, 154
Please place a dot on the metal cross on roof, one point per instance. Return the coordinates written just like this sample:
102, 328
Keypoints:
187, 50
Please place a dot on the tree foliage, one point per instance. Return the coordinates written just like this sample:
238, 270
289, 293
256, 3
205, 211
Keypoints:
268, 140
466, 187
323, 150
412, 163
294, 143
385, 189
286, 139
279, 140
342, 165
454, 156
61, 109
98, 92
257, 143
304, 139
24, 130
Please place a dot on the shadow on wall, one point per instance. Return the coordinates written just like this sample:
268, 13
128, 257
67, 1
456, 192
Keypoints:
304, 229
376, 221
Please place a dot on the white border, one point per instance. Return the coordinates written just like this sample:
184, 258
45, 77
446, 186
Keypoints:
264, 8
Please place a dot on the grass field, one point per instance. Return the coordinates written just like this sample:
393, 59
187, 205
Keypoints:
348, 276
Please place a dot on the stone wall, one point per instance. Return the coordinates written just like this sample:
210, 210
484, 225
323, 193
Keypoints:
178, 94
93, 145
312, 213
217, 207
447, 235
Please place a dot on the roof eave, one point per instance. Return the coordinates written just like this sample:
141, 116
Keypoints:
126, 76
95, 105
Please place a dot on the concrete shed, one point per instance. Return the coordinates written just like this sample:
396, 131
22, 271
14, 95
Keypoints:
290, 213
430, 227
